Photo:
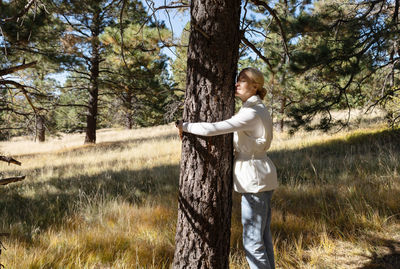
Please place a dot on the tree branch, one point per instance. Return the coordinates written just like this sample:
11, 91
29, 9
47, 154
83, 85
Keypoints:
74, 26
16, 68
171, 7
9, 180
278, 21
259, 54
11, 82
72, 105
24, 92
22, 13
9, 160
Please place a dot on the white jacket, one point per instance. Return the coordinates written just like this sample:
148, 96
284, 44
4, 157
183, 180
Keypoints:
253, 170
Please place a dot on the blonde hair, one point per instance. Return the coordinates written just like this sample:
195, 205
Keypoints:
256, 78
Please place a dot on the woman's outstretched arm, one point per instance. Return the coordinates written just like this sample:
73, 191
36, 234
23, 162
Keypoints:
245, 120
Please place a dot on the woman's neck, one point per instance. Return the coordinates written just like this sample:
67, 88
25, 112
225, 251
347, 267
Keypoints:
245, 100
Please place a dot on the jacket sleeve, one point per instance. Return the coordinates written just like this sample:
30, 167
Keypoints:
245, 120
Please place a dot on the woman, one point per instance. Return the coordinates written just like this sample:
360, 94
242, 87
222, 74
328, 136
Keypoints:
254, 173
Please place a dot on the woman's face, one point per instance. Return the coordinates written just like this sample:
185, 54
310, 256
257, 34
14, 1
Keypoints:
244, 87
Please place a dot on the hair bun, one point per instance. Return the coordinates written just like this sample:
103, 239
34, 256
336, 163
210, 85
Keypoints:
262, 92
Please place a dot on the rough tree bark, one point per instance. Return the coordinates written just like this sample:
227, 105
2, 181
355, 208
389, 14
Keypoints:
128, 113
128, 120
91, 117
205, 185
40, 128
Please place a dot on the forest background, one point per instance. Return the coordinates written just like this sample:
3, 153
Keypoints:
317, 56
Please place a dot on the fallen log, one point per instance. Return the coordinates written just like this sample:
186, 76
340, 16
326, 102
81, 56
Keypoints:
5, 181
9, 160
9, 180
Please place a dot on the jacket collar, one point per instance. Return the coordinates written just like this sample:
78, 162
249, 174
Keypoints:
252, 101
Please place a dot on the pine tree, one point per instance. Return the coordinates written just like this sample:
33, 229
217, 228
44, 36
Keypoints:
205, 185
86, 21
341, 45
29, 38
135, 76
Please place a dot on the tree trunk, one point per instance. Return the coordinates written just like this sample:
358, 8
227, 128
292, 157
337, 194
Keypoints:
205, 184
129, 108
91, 117
282, 84
40, 128
282, 112
128, 120
390, 114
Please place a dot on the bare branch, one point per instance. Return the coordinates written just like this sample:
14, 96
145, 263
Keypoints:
259, 54
258, 32
150, 4
278, 21
22, 13
382, 98
11, 82
24, 92
74, 26
9, 180
171, 7
121, 30
9, 160
16, 68
72, 105
245, 13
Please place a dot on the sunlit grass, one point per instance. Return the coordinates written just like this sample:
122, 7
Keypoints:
114, 204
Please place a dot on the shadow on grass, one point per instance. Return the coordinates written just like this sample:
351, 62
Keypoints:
317, 165
389, 260
329, 180
35, 206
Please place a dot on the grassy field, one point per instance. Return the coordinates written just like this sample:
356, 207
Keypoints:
114, 204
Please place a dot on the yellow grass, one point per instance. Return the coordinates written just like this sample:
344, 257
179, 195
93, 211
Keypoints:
114, 204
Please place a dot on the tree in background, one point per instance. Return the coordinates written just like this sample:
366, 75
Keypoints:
321, 56
70, 112
318, 56
179, 64
30, 38
341, 46
135, 77
179, 67
86, 21
106, 66
276, 52
35, 114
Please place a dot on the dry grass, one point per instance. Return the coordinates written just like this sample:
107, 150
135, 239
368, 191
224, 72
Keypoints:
113, 205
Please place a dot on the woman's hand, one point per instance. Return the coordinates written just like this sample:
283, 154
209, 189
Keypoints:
179, 124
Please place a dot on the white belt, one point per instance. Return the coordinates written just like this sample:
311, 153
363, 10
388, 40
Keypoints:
251, 156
